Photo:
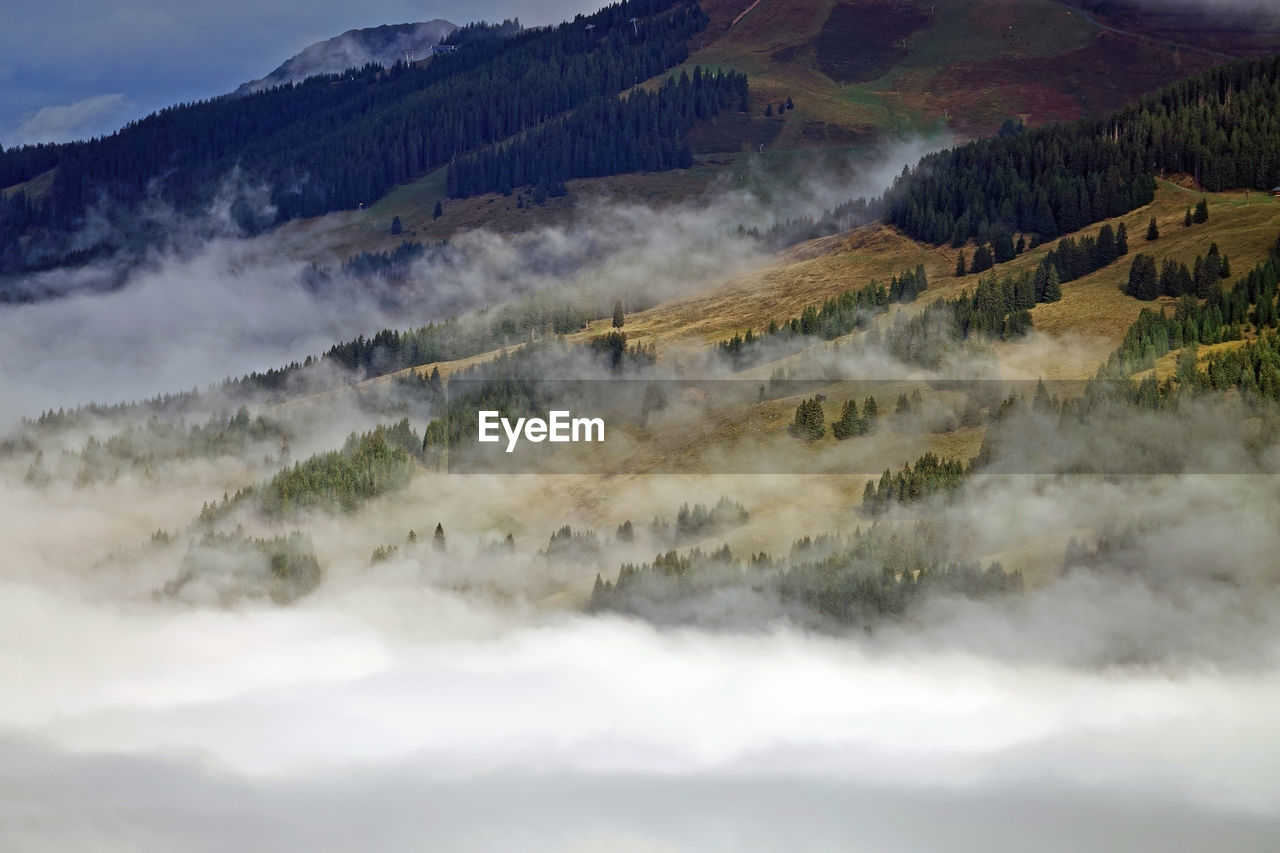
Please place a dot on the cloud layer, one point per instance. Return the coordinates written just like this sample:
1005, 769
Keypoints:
94, 116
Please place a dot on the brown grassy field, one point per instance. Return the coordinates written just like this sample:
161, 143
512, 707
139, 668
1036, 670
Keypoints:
1093, 314
1073, 337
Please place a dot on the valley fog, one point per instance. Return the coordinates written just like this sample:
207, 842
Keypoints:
456, 695
382, 710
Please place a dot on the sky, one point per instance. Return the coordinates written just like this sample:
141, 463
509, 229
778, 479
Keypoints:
76, 68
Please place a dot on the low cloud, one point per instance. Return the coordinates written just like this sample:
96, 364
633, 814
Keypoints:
94, 116
461, 699
601, 734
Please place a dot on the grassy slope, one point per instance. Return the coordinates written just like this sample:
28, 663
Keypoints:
950, 66
967, 67
1092, 316
34, 188
1080, 331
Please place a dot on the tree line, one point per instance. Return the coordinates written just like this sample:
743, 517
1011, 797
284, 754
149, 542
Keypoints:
641, 132
997, 308
368, 465
1221, 127
1172, 278
854, 580
851, 310
929, 475
335, 142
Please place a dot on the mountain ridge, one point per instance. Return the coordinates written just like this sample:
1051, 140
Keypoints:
383, 45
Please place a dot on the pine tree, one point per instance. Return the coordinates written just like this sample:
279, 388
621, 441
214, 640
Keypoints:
1122, 240
1052, 285
1153, 231
1202, 211
438, 539
396, 227
1106, 247
1186, 220
617, 314
849, 424
438, 212
1144, 281
961, 271
1002, 247
870, 414
412, 538
810, 422
1041, 402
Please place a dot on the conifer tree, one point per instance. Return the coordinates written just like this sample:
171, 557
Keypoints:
870, 412
1041, 402
1052, 285
1122, 240
982, 259
1202, 211
1002, 247
1153, 231
617, 314
438, 212
849, 424
1144, 281
1186, 220
396, 227
1106, 247
810, 422
438, 539
961, 269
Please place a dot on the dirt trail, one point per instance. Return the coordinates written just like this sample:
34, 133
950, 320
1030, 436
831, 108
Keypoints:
744, 13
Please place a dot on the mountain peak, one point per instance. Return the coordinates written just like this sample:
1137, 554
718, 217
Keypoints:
384, 45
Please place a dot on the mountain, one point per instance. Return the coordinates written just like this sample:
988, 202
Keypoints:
342, 141
385, 45
371, 147
967, 514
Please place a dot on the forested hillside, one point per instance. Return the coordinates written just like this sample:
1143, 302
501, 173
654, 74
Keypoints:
340, 141
642, 132
1220, 127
